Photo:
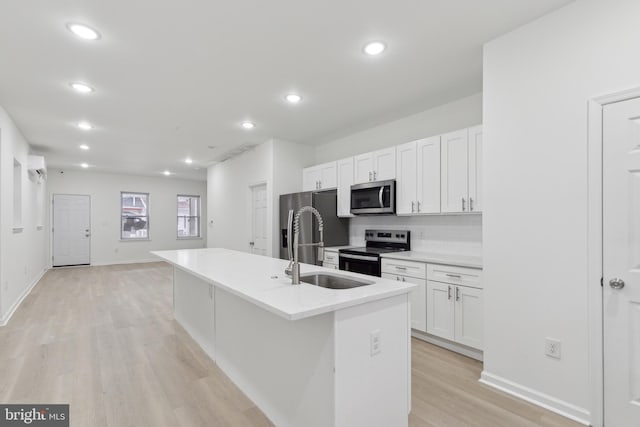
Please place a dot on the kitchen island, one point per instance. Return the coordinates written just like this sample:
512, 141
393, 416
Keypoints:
305, 355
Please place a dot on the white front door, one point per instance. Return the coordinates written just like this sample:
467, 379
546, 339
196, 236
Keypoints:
621, 262
71, 229
258, 244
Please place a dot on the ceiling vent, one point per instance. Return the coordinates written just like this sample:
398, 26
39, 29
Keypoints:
235, 152
37, 168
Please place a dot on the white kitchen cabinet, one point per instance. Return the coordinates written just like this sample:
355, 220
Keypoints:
440, 314
412, 272
417, 300
454, 304
475, 169
345, 181
376, 166
320, 177
418, 177
461, 171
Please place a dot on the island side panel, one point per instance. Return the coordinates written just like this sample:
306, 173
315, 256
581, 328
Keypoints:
373, 388
193, 305
284, 366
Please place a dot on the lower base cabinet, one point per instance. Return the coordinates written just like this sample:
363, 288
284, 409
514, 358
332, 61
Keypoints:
454, 311
417, 300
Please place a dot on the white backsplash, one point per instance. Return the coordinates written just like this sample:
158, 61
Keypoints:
458, 234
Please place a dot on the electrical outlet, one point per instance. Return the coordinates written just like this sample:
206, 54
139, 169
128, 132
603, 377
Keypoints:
552, 348
374, 342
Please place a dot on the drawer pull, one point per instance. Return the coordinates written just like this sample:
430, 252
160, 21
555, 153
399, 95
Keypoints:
449, 292
399, 267
457, 276
457, 294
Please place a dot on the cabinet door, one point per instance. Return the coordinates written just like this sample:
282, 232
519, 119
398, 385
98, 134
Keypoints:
455, 171
384, 164
363, 168
406, 179
428, 177
468, 312
417, 300
440, 309
475, 169
345, 181
310, 178
328, 176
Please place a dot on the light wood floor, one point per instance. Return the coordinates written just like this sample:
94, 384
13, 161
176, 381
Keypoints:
103, 339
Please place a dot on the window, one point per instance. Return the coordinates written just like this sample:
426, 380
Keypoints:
134, 212
188, 216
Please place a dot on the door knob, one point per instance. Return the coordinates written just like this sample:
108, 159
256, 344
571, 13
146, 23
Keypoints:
616, 283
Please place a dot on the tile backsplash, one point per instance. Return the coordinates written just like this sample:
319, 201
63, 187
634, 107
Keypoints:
460, 234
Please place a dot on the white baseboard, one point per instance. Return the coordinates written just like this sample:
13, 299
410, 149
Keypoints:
120, 262
449, 345
558, 406
5, 319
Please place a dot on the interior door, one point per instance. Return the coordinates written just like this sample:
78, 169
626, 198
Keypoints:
621, 262
71, 230
258, 244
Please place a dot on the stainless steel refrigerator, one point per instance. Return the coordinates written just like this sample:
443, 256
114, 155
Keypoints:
336, 230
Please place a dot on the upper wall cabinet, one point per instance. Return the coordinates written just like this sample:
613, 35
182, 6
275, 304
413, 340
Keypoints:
319, 177
377, 166
418, 177
461, 170
345, 181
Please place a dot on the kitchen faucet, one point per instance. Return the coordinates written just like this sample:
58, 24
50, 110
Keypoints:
294, 265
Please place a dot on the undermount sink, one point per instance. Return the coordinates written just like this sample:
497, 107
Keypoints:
333, 281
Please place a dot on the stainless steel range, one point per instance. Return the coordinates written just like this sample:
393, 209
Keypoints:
366, 260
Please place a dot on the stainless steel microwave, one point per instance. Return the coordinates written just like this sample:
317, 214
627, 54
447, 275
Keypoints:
374, 198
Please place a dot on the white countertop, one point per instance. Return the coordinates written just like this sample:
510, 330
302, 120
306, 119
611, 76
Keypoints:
437, 258
261, 280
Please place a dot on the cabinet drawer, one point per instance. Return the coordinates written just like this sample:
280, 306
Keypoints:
329, 265
330, 257
404, 268
455, 275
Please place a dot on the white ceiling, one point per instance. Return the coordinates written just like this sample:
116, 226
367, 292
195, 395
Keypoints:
174, 77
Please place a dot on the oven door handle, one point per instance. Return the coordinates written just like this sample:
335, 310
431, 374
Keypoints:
380, 196
359, 257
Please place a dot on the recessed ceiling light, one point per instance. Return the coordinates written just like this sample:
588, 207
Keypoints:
248, 125
84, 165
166, 173
293, 98
84, 147
85, 125
83, 31
374, 48
81, 87
188, 160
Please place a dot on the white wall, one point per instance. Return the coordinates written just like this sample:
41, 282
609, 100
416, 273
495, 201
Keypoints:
537, 81
278, 164
455, 115
106, 247
23, 253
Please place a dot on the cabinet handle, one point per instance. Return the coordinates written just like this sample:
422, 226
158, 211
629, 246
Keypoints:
457, 276
470, 203
374, 175
399, 267
463, 206
370, 176
413, 207
319, 185
449, 292
457, 294
418, 204
397, 278
403, 278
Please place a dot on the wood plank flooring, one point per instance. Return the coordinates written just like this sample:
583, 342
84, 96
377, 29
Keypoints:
103, 339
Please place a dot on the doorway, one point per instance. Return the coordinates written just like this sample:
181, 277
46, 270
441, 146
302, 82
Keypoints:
258, 243
71, 230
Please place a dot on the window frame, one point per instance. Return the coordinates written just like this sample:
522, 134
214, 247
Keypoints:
148, 216
199, 216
